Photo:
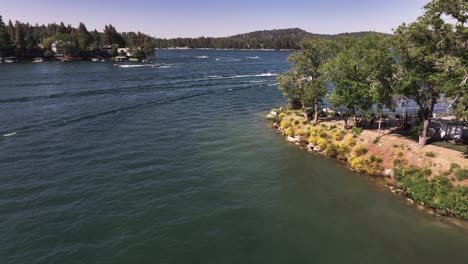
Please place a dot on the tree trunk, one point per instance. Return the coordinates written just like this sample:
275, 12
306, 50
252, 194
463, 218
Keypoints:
355, 121
345, 120
426, 113
304, 111
380, 122
423, 136
315, 110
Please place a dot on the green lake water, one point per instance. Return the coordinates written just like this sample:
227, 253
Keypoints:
101, 164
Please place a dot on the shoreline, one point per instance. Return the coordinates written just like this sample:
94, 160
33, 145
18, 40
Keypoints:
361, 157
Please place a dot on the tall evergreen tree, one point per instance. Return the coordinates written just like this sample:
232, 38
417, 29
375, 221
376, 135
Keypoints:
5, 44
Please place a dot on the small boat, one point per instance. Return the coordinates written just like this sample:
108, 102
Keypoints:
10, 60
38, 59
94, 59
202, 57
218, 59
254, 58
66, 59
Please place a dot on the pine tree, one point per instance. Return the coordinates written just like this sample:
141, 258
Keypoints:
5, 44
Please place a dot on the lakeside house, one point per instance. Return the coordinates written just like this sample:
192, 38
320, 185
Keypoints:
124, 52
452, 130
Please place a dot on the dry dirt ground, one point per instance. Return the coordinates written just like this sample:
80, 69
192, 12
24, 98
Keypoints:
391, 146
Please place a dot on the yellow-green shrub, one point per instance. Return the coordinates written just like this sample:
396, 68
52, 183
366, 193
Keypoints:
360, 150
285, 124
350, 141
398, 153
313, 140
343, 149
282, 115
338, 135
289, 132
332, 150
361, 164
322, 143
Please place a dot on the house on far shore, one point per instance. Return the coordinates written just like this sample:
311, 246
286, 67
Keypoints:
64, 49
124, 52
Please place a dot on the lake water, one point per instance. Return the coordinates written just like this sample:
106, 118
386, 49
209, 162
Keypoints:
101, 164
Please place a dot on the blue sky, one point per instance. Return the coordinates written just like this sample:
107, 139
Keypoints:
183, 18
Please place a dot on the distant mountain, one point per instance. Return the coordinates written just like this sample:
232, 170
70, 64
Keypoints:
263, 39
297, 33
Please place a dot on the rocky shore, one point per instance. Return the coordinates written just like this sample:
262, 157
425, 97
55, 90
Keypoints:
398, 163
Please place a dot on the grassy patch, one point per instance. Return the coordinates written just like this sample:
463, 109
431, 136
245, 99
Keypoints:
430, 154
461, 174
437, 193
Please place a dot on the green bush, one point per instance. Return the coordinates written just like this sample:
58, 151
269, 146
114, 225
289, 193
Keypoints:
297, 122
332, 127
398, 162
454, 166
305, 122
430, 154
275, 119
360, 150
437, 193
461, 174
357, 130
282, 115
375, 158
376, 140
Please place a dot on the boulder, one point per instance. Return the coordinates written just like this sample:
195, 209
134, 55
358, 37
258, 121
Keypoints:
410, 200
291, 139
269, 116
310, 146
318, 149
273, 113
388, 172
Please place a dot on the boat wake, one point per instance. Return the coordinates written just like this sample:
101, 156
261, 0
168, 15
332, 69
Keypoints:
202, 57
268, 74
10, 134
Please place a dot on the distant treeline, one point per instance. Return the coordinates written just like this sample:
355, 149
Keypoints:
24, 40
266, 39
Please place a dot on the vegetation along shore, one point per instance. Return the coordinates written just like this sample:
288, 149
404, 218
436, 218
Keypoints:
342, 98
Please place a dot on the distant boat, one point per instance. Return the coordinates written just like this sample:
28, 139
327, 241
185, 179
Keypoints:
95, 59
10, 59
254, 58
38, 59
218, 59
202, 57
66, 59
